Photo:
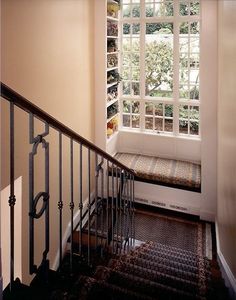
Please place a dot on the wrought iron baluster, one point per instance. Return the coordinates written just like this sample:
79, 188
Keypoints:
133, 200
33, 200
80, 196
72, 205
89, 202
122, 206
107, 206
60, 202
117, 220
126, 207
129, 211
12, 198
112, 207
96, 199
102, 199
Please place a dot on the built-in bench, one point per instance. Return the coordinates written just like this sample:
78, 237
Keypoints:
162, 171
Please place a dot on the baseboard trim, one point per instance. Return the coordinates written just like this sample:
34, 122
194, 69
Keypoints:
67, 232
227, 274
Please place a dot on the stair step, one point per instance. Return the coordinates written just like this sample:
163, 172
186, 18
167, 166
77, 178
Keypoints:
146, 264
153, 255
95, 289
167, 262
158, 246
141, 285
169, 251
156, 276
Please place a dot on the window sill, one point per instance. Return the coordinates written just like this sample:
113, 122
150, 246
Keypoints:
164, 135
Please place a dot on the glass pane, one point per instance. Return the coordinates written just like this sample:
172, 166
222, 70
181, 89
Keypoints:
125, 73
136, 29
184, 9
194, 76
183, 29
194, 113
126, 87
126, 121
183, 44
164, 9
136, 11
149, 10
126, 44
183, 61
183, 127
135, 88
194, 61
126, 11
195, 8
135, 59
149, 123
194, 128
183, 92
149, 108
135, 107
168, 125
194, 28
194, 92
135, 121
194, 45
126, 106
135, 74
126, 29
135, 44
169, 110
183, 75
183, 112
159, 109
159, 59
158, 124
126, 59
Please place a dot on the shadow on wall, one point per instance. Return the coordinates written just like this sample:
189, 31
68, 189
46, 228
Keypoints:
5, 233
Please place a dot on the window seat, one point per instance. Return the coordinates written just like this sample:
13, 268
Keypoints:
168, 172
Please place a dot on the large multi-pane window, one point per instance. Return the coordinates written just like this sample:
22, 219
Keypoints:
160, 66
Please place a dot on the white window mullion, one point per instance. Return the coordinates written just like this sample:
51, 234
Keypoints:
176, 70
142, 64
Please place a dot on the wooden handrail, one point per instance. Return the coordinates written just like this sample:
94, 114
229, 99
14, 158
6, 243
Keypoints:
10, 95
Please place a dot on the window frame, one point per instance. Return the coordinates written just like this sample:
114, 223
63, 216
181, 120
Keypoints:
176, 101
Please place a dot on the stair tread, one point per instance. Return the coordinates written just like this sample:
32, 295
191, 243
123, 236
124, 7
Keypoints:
176, 270
140, 284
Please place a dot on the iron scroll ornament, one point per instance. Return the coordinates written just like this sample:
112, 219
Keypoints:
35, 199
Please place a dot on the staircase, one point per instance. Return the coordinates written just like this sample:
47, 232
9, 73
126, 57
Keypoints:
102, 257
152, 270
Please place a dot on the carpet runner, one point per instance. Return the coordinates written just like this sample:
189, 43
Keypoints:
170, 172
144, 274
174, 231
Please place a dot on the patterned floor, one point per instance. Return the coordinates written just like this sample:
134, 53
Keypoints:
174, 232
181, 174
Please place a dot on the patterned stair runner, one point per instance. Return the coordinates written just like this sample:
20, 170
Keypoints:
146, 273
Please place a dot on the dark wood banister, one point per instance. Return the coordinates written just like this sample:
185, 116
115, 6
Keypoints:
10, 95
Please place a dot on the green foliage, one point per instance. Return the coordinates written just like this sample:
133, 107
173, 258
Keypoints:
159, 66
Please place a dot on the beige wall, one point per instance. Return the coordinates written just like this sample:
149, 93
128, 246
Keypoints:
226, 208
47, 56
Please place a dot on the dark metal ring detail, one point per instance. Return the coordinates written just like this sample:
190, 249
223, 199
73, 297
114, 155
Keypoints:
45, 197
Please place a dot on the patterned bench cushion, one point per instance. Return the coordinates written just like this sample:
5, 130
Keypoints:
170, 172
